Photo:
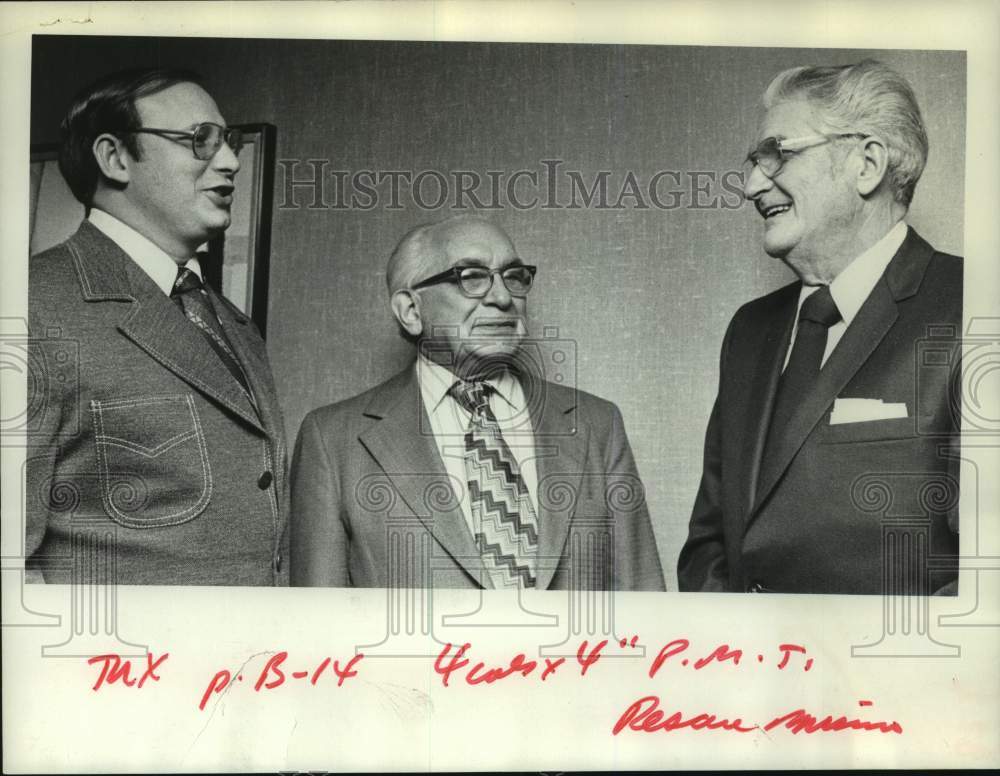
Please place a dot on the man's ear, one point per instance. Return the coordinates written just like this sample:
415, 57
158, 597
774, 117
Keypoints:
406, 308
874, 164
112, 158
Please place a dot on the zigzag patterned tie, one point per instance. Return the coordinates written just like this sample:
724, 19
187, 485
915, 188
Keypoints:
188, 292
506, 526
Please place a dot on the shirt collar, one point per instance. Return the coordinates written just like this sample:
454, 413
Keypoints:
152, 259
854, 284
436, 381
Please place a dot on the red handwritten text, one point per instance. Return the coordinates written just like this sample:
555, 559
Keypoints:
446, 664
587, 659
800, 721
115, 669
454, 658
645, 716
273, 675
721, 654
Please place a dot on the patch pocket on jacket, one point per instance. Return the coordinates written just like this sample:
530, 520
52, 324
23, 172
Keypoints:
152, 460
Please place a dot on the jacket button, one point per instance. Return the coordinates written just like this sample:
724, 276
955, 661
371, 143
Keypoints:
264, 482
277, 563
755, 587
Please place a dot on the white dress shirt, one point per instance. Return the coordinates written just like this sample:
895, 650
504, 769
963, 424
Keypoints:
152, 259
852, 287
449, 422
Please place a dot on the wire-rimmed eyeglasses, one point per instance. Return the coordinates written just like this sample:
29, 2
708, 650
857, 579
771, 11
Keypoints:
206, 138
771, 153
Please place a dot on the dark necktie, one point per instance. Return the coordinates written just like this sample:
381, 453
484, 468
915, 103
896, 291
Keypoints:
189, 294
818, 313
506, 528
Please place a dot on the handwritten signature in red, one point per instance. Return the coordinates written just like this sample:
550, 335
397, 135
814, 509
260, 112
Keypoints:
645, 716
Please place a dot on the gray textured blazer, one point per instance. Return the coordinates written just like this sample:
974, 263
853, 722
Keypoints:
147, 463
373, 505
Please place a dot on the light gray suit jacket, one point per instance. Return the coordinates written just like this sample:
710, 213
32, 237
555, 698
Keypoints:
147, 463
373, 505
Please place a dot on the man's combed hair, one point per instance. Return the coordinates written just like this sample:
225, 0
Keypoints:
870, 98
412, 255
417, 253
108, 105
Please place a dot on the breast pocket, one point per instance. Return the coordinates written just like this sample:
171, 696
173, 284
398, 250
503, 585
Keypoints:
152, 460
884, 430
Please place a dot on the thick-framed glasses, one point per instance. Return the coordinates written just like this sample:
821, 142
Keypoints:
476, 282
771, 153
206, 138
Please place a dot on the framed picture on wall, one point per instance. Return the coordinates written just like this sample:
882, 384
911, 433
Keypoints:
53, 211
236, 263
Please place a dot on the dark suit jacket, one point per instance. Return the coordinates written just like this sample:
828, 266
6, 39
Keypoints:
825, 510
148, 463
370, 491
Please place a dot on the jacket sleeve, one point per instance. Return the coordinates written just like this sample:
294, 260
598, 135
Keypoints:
319, 539
637, 561
702, 565
49, 400
702, 562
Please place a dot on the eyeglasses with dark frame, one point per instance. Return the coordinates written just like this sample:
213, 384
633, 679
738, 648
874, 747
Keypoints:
206, 138
476, 282
771, 153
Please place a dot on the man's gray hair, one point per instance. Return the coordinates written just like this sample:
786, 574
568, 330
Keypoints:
418, 253
869, 98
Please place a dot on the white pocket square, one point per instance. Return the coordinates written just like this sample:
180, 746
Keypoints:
862, 410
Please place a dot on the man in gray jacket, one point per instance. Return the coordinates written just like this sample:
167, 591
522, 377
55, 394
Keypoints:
468, 469
158, 453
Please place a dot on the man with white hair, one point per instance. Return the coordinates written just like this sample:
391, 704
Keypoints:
830, 433
468, 469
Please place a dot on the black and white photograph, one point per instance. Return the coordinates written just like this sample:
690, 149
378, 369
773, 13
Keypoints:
636, 222
413, 371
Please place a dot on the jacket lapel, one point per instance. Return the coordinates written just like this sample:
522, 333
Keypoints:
153, 322
252, 359
561, 439
876, 316
403, 446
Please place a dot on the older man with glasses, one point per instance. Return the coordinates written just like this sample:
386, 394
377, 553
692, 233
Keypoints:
159, 454
831, 423
468, 469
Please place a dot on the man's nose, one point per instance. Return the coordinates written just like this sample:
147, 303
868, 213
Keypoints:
756, 183
226, 160
498, 295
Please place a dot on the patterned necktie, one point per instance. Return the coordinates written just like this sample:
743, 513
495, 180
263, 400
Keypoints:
818, 313
502, 513
189, 294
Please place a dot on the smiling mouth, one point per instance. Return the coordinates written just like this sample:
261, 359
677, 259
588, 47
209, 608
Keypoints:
774, 210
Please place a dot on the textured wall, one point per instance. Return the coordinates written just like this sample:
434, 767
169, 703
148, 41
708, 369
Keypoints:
645, 294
